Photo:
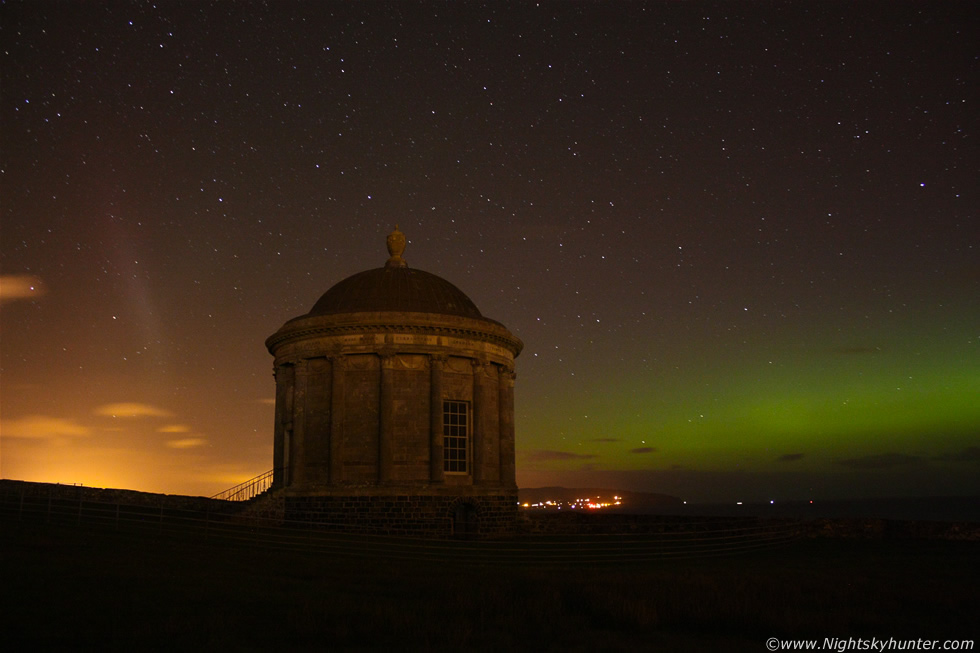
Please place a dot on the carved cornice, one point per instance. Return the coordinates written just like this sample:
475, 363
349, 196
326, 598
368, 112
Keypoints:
295, 332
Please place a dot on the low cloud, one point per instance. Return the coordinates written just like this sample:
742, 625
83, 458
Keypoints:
604, 440
789, 457
968, 455
41, 427
881, 461
643, 450
542, 455
131, 410
186, 443
174, 428
20, 286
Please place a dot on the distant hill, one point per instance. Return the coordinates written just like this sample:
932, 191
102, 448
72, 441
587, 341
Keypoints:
569, 495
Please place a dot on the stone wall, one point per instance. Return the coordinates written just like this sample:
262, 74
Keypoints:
493, 515
408, 514
267, 509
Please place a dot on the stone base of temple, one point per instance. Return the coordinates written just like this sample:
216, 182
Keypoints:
429, 515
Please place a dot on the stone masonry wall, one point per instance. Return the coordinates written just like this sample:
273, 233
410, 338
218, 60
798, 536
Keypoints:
422, 515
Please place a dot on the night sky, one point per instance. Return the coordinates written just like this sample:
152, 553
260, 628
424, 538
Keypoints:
739, 240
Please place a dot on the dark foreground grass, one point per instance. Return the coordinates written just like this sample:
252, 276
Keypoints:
74, 589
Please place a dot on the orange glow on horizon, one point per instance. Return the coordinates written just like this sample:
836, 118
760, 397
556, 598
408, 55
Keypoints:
80, 462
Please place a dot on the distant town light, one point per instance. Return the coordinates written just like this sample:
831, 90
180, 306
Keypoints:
588, 503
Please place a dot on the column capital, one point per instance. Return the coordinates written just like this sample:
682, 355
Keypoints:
387, 355
480, 365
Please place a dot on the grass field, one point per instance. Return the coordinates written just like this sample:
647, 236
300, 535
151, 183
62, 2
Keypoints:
82, 589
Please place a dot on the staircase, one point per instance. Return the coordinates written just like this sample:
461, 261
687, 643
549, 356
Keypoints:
248, 490
263, 505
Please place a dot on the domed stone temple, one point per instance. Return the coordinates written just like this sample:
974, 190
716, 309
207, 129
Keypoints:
395, 407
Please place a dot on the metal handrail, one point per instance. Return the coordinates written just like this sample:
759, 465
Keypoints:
249, 489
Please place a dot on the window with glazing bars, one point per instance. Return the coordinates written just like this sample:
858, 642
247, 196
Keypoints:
455, 435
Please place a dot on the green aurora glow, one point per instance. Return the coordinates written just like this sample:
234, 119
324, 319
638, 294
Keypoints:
913, 397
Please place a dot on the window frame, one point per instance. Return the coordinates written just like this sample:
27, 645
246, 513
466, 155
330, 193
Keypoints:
454, 408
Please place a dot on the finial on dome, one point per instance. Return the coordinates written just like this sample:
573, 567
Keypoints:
396, 245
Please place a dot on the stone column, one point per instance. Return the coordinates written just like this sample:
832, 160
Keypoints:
437, 471
316, 440
479, 400
338, 365
386, 418
505, 403
297, 445
284, 424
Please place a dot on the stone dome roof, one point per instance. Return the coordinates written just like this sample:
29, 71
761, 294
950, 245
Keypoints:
395, 287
